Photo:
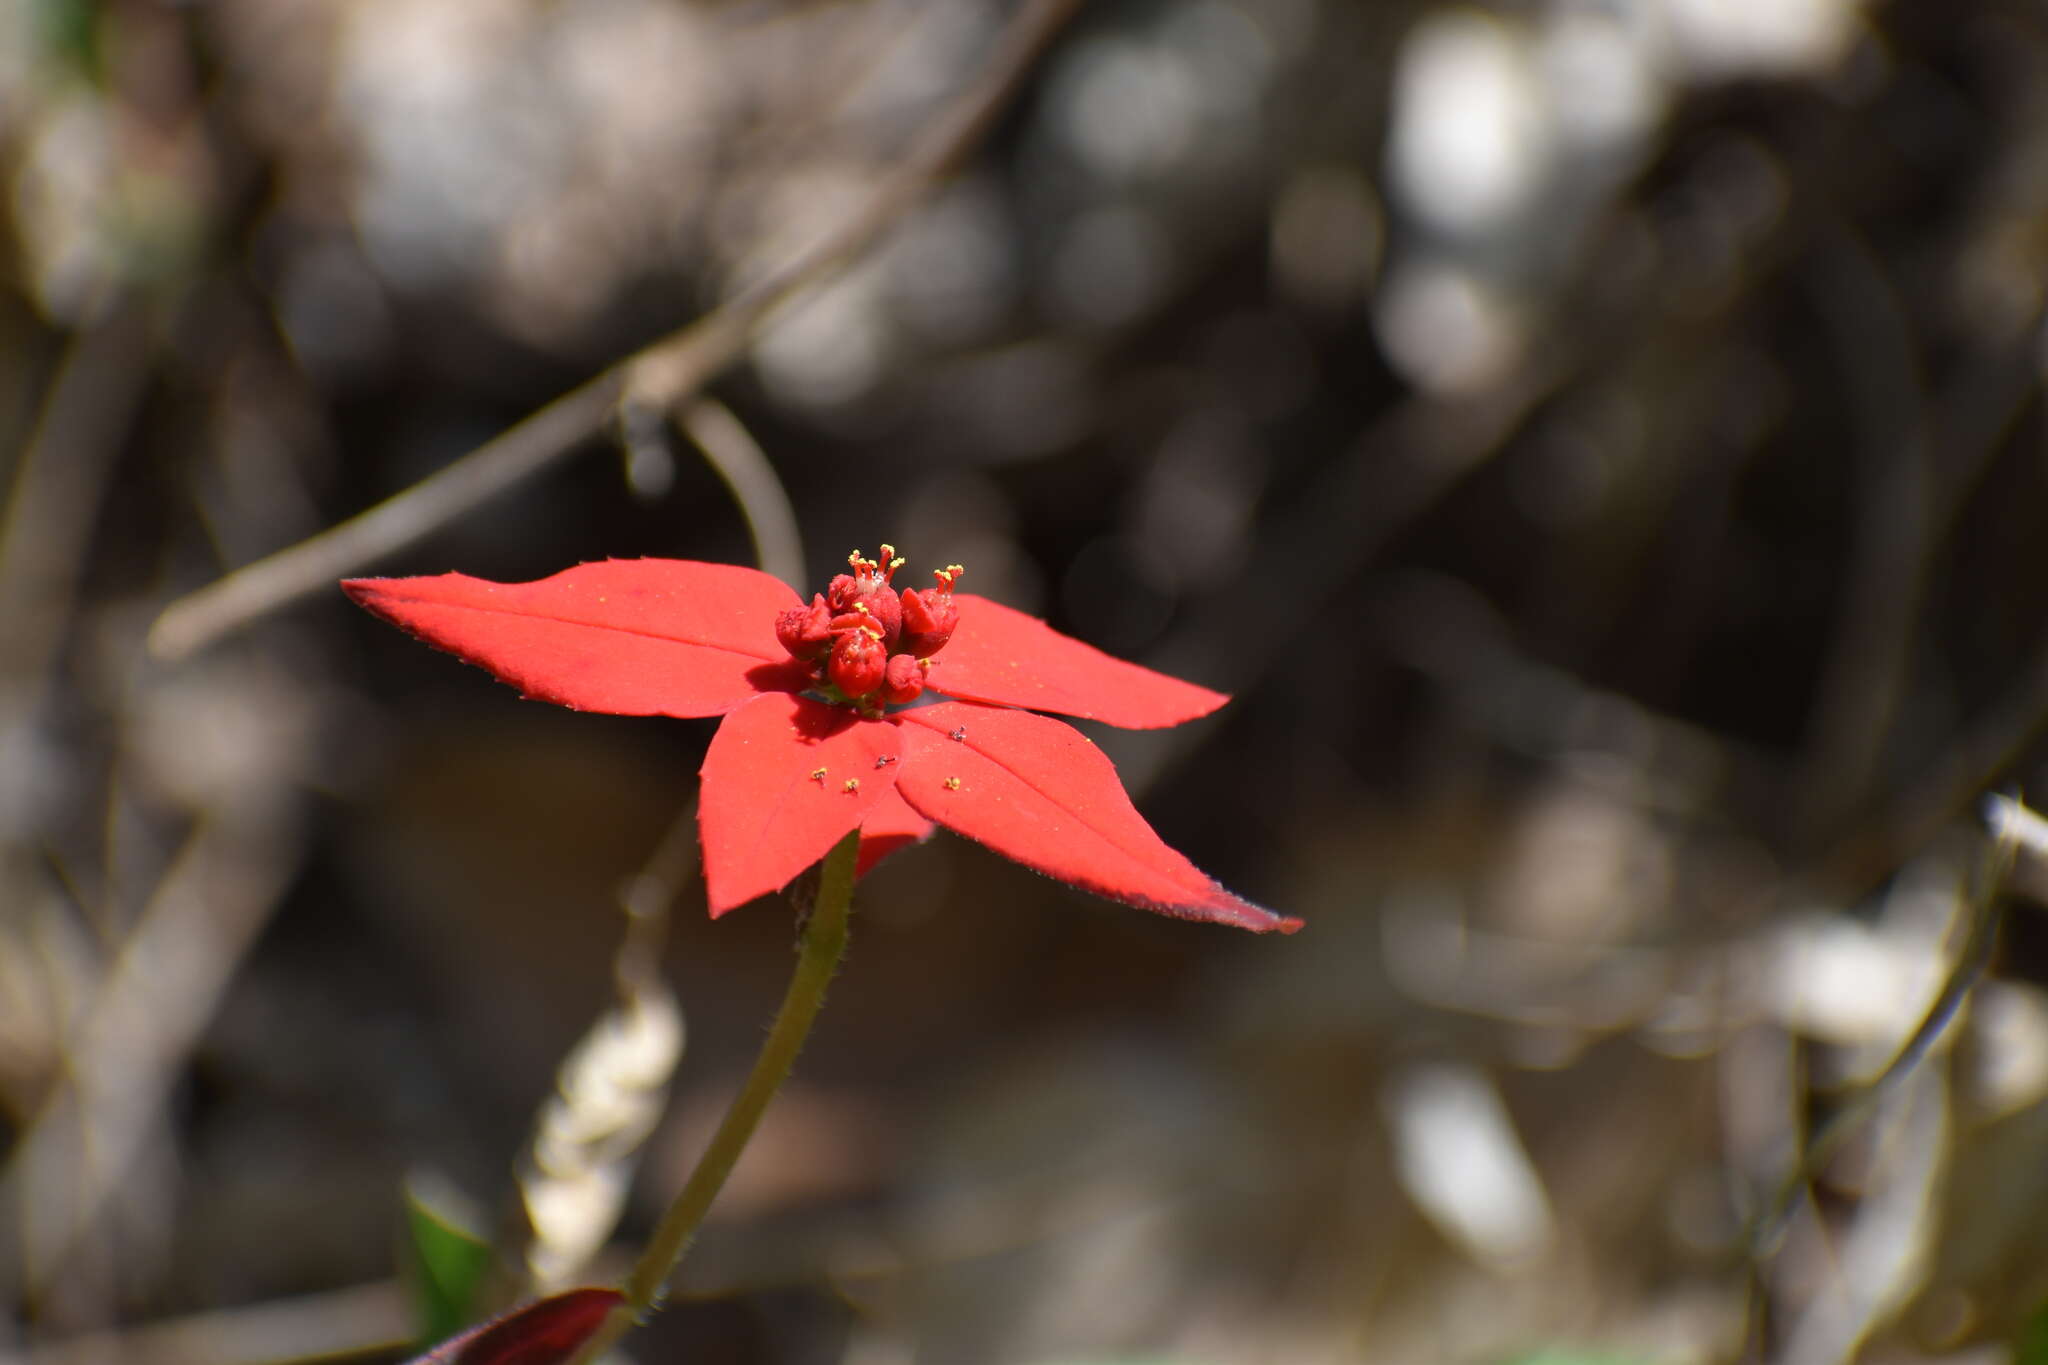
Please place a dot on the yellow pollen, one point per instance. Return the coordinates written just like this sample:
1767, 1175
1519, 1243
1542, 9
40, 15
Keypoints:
952, 784
818, 776
852, 784
896, 564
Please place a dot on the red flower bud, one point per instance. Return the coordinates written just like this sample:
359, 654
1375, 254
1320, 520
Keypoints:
888, 613
902, 680
867, 589
806, 632
858, 663
929, 615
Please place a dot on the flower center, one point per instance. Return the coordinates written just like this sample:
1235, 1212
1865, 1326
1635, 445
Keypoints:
868, 645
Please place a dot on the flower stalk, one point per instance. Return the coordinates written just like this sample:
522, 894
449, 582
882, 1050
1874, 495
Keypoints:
820, 948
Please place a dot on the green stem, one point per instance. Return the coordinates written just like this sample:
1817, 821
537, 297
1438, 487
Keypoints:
823, 944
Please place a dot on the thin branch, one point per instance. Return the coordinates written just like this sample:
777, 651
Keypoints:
200, 618
754, 484
1967, 767
661, 377
1829, 1138
56, 494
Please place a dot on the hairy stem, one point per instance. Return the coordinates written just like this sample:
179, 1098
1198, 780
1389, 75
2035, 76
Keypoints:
818, 954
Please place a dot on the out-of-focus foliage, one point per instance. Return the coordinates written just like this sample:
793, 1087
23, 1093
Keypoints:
447, 1263
1599, 444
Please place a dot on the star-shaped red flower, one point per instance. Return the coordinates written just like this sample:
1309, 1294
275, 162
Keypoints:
822, 733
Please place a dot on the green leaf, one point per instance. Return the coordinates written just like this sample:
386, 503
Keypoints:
70, 34
447, 1262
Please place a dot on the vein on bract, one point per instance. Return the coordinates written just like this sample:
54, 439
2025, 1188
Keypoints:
775, 657
1109, 839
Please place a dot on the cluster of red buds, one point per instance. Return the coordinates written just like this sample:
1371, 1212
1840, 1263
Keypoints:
867, 642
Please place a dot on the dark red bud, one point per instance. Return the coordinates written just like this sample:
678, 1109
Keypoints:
806, 632
902, 681
929, 617
888, 613
870, 594
858, 662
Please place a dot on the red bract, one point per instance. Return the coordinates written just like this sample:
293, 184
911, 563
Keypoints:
810, 747
543, 1333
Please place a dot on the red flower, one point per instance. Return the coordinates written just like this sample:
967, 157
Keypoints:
811, 747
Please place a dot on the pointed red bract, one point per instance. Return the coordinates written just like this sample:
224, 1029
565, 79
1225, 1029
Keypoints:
642, 637
1038, 792
998, 654
543, 1333
784, 780
890, 825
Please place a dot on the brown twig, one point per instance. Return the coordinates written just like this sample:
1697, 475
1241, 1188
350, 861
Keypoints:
1967, 767
750, 476
1980, 918
63, 471
660, 377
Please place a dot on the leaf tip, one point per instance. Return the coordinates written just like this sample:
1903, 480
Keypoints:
543, 1333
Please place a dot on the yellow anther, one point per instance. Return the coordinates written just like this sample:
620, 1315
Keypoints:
895, 564
852, 784
888, 551
952, 784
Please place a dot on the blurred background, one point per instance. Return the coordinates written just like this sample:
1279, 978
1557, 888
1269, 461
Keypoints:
1600, 442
